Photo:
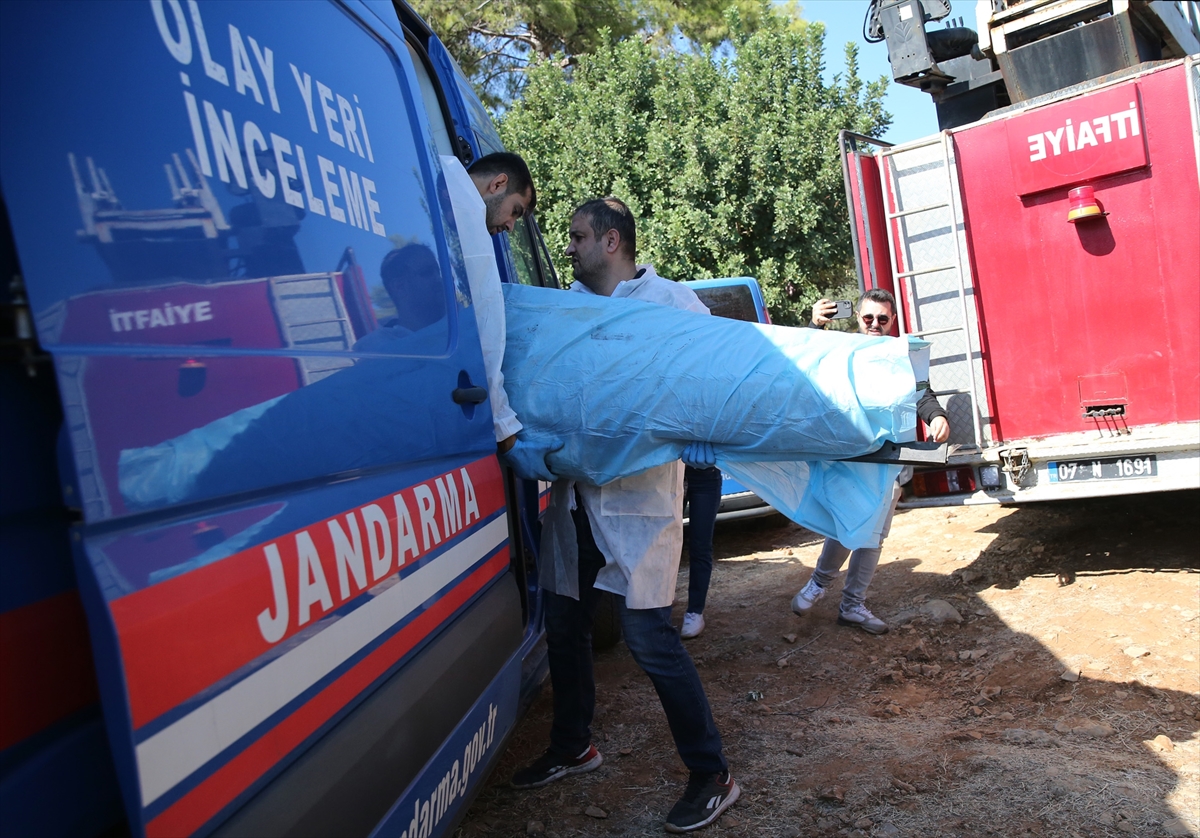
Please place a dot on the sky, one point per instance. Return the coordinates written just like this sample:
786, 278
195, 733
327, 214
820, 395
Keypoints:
913, 114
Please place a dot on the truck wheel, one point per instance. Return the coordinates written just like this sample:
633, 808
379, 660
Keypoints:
606, 627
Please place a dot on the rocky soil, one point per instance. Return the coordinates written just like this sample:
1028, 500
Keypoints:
1041, 678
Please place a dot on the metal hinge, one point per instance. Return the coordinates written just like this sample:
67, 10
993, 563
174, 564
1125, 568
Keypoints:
463, 151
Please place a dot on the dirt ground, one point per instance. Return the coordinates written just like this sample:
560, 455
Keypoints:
1064, 700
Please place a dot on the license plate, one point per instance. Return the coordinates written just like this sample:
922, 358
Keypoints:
1113, 468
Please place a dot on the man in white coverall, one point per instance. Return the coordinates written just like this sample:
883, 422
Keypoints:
627, 540
490, 198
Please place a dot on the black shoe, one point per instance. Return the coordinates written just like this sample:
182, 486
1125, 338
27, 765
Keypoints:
550, 767
703, 801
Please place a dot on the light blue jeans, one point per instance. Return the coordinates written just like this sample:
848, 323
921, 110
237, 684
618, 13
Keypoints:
863, 562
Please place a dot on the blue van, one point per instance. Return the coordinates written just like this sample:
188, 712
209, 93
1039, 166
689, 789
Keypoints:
262, 572
738, 298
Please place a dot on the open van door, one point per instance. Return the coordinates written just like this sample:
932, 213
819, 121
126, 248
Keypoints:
293, 542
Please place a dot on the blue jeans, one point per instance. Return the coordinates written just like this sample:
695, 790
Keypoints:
702, 492
863, 562
654, 644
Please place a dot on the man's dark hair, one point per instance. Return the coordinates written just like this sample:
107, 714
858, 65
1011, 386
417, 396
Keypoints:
612, 214
507, 163
878, 295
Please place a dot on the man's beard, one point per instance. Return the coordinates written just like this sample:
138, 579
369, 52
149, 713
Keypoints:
491, 205
583, 272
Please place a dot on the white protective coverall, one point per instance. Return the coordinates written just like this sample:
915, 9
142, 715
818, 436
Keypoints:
637, 521
483, 277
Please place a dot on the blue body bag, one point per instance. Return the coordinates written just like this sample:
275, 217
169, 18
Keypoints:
625, 385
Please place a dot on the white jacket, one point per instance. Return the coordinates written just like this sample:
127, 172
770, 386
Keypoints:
637, 521
483, 277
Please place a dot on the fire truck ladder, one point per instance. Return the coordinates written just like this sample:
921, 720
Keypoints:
895, 218
312, 317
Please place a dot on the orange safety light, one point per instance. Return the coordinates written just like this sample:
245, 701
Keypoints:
1082, 204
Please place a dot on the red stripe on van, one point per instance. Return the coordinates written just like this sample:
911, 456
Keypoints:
199, 805
185, 634
46, 670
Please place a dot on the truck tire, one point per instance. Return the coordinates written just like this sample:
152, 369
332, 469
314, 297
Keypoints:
606, 627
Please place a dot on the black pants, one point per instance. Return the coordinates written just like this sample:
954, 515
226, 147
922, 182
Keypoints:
654, 644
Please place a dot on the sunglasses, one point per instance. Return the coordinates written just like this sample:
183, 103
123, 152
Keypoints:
882, 318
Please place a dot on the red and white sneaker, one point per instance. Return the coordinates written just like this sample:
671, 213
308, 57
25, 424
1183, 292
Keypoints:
703, 801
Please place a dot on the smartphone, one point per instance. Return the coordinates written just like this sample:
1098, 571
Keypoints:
844, 309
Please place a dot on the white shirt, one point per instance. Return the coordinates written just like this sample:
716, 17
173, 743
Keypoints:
637, 521
483, 277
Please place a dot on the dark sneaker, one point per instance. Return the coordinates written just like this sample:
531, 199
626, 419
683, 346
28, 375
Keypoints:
859, 616
550, 767
703, 801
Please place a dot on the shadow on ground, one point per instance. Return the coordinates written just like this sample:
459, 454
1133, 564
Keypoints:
1036, 709
1093, 537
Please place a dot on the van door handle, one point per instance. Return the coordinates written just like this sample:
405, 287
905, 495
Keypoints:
469, 395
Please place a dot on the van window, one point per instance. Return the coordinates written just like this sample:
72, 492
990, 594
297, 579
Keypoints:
549, 275
524, 254
529, 257
236, 229
733, 301
221, 180
481, 122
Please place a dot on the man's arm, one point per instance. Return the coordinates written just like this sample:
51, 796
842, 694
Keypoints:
822, 313
933, 415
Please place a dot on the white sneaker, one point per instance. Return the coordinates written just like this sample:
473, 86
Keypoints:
861, 616
809, 596
693, 624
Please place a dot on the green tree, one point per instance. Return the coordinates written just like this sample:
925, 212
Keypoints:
730, 164
494, 41
703, 23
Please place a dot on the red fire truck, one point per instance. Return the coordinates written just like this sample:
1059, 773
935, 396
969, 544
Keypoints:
1046, 242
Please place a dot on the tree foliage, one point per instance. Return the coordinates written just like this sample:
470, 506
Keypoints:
731, 165
494, 41
703, 23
